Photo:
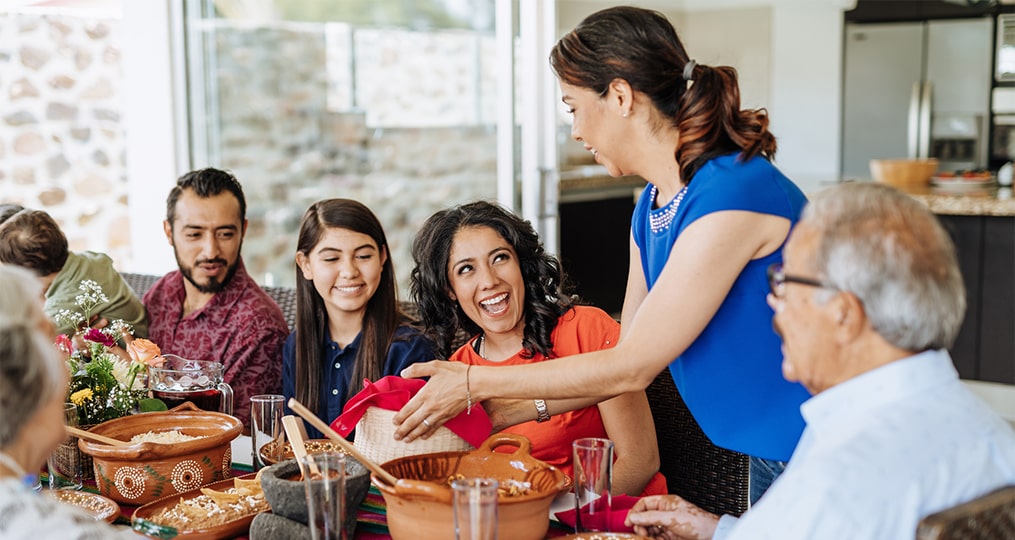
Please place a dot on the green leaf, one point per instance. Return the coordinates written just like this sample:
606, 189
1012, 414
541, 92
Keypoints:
151, 405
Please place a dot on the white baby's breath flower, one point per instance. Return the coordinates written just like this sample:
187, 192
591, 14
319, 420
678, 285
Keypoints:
66, 317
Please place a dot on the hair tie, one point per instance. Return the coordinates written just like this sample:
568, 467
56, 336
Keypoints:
689, 70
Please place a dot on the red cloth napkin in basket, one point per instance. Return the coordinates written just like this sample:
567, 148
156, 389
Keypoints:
392, 393
618, 513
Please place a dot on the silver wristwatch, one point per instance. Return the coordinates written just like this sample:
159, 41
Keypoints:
542, 415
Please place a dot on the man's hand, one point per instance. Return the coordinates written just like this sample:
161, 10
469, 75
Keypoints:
669, 517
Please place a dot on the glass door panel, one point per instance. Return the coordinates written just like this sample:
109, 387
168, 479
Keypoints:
388, 102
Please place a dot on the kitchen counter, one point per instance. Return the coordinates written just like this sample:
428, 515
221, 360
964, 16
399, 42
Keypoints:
993, 201
591, 182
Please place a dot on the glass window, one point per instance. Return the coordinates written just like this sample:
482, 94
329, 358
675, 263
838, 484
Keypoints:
388, 102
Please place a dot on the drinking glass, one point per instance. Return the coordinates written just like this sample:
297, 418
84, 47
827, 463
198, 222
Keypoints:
593, 479
475, 506
326, 495
266, 427
64, 464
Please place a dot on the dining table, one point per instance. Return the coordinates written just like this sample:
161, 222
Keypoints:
371, 516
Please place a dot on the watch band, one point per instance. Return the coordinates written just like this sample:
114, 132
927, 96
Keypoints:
542, 415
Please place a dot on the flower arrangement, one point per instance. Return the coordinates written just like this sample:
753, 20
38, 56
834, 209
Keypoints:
105, 381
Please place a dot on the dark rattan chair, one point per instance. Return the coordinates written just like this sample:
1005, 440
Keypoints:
139, 282
990, 516
285, 297
713, 478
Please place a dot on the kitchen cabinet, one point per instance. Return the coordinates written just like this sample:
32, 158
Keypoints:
985, 347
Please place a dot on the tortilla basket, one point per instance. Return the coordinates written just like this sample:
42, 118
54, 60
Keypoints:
375, 438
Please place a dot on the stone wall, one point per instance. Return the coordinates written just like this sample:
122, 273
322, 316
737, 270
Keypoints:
61, 132
298, 111
407, 136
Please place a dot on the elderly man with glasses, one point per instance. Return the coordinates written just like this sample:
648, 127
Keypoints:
867, 302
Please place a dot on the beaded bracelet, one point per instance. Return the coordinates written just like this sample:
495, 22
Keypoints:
468, 392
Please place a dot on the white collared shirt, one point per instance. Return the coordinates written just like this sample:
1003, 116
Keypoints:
879, 452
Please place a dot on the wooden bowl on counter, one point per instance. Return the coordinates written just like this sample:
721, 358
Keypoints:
903, 172
139, 473
419, 505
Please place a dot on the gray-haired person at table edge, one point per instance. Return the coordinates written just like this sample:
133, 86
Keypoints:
867, 302
33, 386
712, 220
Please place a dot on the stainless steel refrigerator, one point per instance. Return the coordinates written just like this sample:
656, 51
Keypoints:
917, 89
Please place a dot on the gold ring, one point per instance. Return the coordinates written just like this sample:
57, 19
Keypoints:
426, 422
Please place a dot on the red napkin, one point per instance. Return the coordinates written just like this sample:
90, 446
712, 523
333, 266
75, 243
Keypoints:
618, 513
392, 393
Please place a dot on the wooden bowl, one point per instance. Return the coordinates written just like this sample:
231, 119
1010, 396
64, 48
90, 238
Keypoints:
903, 172
139, 473
419, 506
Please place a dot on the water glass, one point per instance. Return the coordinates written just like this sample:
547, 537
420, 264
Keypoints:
326, 495
475, 507
266, 427
64, 464
593, 479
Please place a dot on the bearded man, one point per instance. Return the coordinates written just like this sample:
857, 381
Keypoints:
210, 309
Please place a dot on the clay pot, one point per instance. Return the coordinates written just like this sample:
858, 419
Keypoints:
419, 505
139, 473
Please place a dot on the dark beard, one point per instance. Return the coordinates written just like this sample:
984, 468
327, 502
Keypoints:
213, 287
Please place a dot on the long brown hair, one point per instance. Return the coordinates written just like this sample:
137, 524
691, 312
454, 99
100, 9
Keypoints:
380, 320
641, 47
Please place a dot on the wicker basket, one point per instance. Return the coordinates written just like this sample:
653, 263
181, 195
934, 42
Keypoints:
65, 456
375, 439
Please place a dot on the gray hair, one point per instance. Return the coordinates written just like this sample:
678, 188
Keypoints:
890, 251
29, 363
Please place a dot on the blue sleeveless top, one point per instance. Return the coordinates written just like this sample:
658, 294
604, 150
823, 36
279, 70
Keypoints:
731, 375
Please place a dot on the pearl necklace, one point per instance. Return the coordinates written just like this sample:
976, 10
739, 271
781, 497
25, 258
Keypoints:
661, 219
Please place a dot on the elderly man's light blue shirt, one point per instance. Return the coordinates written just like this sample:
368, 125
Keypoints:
879, 452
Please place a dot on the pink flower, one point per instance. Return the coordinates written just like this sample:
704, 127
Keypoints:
144, 351
98, 336
64, 343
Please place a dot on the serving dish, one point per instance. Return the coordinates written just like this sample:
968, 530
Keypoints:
419, 505
961, 182
141, 521
603, 536
139, 473
101, 508
313, 446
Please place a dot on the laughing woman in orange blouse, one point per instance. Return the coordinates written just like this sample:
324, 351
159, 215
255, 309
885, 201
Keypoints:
481, 268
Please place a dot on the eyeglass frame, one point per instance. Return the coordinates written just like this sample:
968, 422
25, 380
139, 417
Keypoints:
778, 279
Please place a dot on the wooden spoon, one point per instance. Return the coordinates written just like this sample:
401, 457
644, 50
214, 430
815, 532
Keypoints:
311, 418
95, 437
291, 424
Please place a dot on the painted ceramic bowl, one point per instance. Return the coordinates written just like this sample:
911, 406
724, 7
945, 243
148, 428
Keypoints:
139, 473
419, 505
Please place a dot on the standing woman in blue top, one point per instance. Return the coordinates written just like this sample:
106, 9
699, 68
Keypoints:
348, 324
704, 232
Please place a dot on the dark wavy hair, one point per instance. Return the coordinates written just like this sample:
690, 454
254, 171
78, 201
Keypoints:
380, 320
641, 47
546, 286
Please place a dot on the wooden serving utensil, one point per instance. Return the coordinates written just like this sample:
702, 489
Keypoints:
291, 424
310, 417
95, 437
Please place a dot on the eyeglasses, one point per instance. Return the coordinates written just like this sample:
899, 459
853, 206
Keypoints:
777, 280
